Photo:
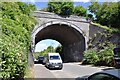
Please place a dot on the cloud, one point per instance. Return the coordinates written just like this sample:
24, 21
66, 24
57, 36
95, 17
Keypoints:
28, 1
32, 1
75, 5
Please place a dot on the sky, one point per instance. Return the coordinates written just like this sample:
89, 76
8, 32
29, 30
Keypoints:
40, 4
40, 46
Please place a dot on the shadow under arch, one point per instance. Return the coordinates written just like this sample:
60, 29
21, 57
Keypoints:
69, 35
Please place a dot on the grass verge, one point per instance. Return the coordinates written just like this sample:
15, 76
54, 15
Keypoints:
29, 73
110, 29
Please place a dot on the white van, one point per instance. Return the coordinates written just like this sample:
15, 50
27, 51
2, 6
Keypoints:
53, 60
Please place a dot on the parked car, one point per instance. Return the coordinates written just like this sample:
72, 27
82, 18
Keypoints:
53, 60
40, 59
117, 57
113, 74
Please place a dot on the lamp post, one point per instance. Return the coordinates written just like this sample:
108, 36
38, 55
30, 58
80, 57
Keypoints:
52, 46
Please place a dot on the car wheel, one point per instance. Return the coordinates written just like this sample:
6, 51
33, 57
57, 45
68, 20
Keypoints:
46, 65
60, 68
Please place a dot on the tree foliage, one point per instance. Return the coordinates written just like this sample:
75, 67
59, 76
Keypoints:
103, 57
59, 49
17, 23
45, 51
65, 8
49, 49
80, 11
106, 13
91, 56
61, 7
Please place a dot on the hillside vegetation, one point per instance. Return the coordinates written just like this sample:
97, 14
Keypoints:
17, 23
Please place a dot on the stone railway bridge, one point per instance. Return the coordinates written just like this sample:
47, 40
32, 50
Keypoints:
72, 32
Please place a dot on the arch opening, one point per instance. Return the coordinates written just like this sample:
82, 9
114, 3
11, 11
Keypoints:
45, 46
71, 39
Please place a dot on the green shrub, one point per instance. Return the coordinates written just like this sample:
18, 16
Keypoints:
16, 26
104, 57
91, 56
13, 58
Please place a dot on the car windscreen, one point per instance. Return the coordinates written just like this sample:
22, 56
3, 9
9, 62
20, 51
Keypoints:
54, 57
103, 76
41, 58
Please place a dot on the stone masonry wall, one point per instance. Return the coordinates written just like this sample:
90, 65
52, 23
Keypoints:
100, 35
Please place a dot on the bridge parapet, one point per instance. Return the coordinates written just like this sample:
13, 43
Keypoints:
47, 17
55, 16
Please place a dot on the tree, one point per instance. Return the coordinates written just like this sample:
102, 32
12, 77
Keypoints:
32, 7
61, 7
45, 51
54, 7
67, 8
106, 13
94, 7
90, 16
80, 11
59, 49
50, 49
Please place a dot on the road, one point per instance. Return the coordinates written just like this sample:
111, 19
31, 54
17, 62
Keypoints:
70, 70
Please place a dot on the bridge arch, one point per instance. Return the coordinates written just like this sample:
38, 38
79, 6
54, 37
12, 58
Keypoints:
69, 35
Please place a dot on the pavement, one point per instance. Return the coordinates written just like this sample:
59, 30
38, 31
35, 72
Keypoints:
42, 72
70, 70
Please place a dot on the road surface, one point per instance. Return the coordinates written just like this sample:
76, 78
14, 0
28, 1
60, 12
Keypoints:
70, 70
